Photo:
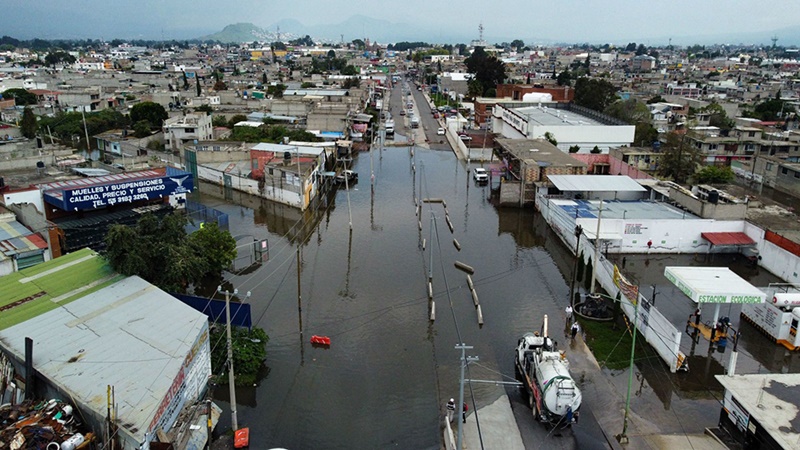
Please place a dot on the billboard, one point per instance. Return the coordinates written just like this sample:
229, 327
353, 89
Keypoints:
128, 191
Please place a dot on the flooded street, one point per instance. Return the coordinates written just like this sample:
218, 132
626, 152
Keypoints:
383, 381
389, 370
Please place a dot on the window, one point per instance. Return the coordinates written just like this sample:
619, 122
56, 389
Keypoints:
751, 134
796, 174
769, 166
712, 146
190, 130
255, 164
784, 170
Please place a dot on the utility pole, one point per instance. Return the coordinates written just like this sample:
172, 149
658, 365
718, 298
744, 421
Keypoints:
596, 248
578, 233
464, 360
86, 131
623, 437
231, 383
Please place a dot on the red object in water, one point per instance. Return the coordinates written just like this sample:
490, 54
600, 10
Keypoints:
321, 340
241, 438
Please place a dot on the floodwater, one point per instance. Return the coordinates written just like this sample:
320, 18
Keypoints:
383, 381
389, 371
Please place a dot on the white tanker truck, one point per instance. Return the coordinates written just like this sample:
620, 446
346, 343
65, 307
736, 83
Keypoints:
553, 395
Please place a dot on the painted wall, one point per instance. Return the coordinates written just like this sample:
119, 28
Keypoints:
27, 196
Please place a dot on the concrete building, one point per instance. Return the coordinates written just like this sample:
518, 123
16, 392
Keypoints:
178, 131
124, 334
759, 410
19, 246
528, 165
569, 124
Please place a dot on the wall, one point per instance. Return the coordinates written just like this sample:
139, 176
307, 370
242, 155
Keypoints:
221, 156
707, 210
249, 186
32, 196
620, 168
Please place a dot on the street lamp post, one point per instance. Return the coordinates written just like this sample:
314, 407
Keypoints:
596, 248
623, 437
578, 233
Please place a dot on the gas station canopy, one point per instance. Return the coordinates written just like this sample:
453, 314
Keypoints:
713, 285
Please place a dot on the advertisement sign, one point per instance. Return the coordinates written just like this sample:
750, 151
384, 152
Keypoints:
93, 197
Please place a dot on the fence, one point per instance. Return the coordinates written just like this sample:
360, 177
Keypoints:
202, 213
657, 330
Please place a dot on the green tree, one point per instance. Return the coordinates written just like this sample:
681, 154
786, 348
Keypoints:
219, 121
645, 134
216, 245
517, 44
548, 136
359, 44
276, 91
596, 149
594, 94
307, 85
204, 108
277, 45
574, 148
351, 83
349, 70
678, 160
141, 129
21, 96
141, 250
564, 78
656, 99
630, 111
28, 125
152, 112
248, 356
488, 70
714, 175
58, 57
236, 119
264, 78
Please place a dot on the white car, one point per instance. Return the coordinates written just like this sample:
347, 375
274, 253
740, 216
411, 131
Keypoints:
480, 175
440, 131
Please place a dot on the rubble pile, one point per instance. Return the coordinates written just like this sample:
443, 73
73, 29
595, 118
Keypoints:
45, 425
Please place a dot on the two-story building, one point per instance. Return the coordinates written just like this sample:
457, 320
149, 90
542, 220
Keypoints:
181, 130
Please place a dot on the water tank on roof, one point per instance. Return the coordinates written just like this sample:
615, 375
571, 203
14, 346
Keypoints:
713, 197
287, 156
537, 97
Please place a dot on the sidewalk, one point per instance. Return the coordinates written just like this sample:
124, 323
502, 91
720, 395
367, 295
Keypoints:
498, 427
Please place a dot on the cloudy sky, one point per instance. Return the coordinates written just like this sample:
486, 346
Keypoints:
596, 21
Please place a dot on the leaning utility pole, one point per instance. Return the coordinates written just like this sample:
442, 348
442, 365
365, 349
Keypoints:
464, 360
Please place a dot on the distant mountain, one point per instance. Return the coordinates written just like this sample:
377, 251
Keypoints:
239, 32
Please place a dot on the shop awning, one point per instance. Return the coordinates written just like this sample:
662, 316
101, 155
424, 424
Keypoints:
723, 239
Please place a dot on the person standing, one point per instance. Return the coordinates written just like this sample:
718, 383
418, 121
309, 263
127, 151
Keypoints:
451, 409
568, 312
464, 409
574, 330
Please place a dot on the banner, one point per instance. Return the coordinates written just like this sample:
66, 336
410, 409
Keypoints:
628, 290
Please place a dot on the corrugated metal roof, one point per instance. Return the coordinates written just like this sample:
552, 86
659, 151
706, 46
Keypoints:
595, 183
130, 335
724, 239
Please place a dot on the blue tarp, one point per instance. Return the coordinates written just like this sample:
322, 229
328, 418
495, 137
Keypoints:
215, 310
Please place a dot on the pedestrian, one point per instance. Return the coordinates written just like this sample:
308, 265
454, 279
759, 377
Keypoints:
568, 312
464, 413
574, 330
451, 409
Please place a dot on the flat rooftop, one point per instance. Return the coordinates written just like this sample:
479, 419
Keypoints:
772, 400
539, 151
616, 209
555, 117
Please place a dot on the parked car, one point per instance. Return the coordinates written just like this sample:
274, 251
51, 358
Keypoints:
440, 131
436, 116
402, 112
351, 176
465, 137
480, 175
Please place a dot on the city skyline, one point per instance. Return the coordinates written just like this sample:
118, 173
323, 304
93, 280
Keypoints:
613, 21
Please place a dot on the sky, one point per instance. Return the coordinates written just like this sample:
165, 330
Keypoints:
574, 21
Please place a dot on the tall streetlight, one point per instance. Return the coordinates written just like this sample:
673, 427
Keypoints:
596, 248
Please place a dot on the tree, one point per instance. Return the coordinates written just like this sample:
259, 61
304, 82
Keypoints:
276, 91
656, 99
220, 85
277, 45
564, 78
248, 357
307, 85
488, 70
185, 82
28, 125
236, 118
264, 78
574, 149
645, 134
349, 70
596, 149
204, 108
57, 57
548, 136
141, 129
351, 83
517, 44
678, 161
594, 94
358, 44
21, 96
152, 112
630, 111
714, 175
141, 250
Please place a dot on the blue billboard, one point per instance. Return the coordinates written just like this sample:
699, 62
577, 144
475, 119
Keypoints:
127, 191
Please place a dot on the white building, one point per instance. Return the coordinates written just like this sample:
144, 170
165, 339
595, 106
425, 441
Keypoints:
180, 130
569, 125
